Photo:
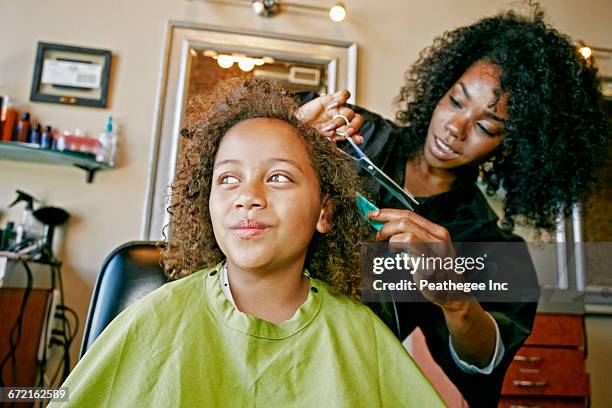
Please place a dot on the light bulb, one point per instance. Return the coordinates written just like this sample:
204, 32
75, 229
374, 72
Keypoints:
258, 6
338, 12
225, 61
246, 64
586, 52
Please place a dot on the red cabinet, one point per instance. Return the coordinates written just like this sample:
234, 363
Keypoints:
549, 370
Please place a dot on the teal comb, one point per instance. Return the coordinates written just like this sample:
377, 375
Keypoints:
364, 207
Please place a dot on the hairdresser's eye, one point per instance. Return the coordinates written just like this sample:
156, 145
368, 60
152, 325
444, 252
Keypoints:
454, 103
228, 180
279, 178
483, 129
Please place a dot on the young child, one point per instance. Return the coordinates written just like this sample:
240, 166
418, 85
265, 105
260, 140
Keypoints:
264, 208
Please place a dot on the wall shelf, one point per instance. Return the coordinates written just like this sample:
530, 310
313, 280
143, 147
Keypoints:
25, 152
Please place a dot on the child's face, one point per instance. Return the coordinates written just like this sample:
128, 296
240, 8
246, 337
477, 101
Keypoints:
265, 200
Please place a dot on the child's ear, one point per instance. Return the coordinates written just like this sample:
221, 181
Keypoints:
324, 224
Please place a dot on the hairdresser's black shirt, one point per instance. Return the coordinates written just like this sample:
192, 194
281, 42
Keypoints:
465, 213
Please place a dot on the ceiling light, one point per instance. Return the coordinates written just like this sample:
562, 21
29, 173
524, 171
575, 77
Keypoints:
338, 12
270, 8
265, 8
246, 64
225, 61
257, 6
586, 52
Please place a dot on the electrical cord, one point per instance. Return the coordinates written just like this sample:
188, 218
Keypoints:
42, 366
63, 339
60, 365
72, 337
76, 322
64, 336
43, 362
62, 305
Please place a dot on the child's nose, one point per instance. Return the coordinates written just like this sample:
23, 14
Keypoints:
251, 196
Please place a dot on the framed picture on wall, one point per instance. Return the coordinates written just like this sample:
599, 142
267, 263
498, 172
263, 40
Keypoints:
71, 75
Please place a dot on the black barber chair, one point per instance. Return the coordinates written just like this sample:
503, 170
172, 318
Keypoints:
128, 273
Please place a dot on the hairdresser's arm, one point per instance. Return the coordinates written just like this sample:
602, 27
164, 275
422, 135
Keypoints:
473, 332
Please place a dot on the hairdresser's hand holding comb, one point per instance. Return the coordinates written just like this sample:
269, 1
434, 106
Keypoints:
472, 331
409, 232
319, 114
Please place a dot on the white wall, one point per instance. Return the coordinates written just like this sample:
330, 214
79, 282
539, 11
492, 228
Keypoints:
108, 212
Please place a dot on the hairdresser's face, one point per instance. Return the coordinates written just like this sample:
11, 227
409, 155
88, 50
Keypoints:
468, 122
265, 200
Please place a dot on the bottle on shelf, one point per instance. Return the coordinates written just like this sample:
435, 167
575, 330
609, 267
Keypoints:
26, 229
108, 143
23, 128
46, 138
4, 104
35, 135
59, 141
8, 127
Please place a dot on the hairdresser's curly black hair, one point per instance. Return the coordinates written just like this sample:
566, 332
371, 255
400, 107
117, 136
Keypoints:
556, 133
332, 257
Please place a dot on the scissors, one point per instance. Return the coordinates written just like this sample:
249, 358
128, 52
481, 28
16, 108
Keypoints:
364, 162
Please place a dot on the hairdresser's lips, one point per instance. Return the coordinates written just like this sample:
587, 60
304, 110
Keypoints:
249, 228
441, 150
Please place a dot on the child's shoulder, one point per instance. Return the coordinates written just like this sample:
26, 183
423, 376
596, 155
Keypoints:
173, 290
170, 297
341, 306
356, 322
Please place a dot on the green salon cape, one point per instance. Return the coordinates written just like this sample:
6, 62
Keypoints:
186, 345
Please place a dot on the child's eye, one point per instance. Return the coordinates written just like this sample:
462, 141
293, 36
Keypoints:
279, 178
228, 180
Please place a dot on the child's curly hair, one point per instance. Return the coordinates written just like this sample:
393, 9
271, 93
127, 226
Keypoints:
332, 257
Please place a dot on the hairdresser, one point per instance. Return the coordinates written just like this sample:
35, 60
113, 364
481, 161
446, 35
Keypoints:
508, 99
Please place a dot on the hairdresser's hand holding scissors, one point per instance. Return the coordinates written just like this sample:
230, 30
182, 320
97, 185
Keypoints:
322, 114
